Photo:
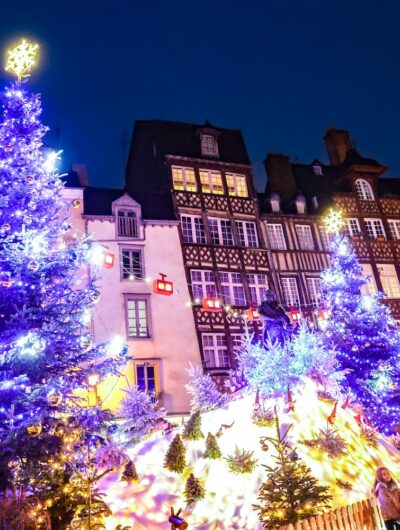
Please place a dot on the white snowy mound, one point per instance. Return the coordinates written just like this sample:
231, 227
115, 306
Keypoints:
229, 498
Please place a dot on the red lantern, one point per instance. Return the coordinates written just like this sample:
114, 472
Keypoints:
252, 313
162, 286
324, 314
211, 304
109, 259
295, 316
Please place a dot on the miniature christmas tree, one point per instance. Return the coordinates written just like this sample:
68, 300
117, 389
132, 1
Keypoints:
175, 459
204, 392
130, 474
194, 490
290, 492
241, 461
193, 427
212, 448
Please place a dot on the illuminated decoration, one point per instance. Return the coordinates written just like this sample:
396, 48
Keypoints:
212, 304
295, 316
76, 203
109, 260
290, 402
324, 314
334, 222
22, 59
332, 415
252, 313
177, 522
93, 379
162, 286
34, 429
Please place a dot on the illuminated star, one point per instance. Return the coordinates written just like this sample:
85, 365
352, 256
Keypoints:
21, 59
334, 221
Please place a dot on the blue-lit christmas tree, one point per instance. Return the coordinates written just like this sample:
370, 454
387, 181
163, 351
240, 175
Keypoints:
362, 331
47, 353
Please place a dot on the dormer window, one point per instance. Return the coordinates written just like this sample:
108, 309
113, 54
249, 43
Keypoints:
317, 170
315, 202
301, 204
127, 223
209, 145
364, 190
275, 202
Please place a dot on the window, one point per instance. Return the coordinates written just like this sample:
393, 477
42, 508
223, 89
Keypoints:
326, 238
237, 341
314, 290
232, 288
304, 236
352, 227
317, 170
275, 237
374, 228
215, 350
301, 204
237, 186
127, 223
146, 377
203, 284
138, 318
247, 233
390, 282
211, 182
290, 291
364, 190
131, 263
193, 229
370, 287
258, 284
209, 145
394, 229
275, 202
221, 231
184, 178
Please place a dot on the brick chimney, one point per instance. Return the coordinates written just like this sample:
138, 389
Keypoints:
280, 176
337, 142
82, 172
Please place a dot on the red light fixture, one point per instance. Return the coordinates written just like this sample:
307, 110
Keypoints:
211, 304
163, 286
108, 262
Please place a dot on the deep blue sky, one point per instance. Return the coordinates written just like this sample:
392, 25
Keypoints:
282, 71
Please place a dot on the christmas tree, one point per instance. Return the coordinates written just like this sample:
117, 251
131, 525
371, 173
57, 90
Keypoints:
362, 332
175, 459
194, 490
204, 392
290, 492
47, 353
193, 427
130, 474
212, 448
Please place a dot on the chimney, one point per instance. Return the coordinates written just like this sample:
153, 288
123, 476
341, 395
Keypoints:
338, 143
82, 172
280, 176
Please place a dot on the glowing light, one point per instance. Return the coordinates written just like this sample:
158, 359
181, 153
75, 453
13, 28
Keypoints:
116, 345
96, 255
334, 221
21, 59
93, 379
51, 159
367, 302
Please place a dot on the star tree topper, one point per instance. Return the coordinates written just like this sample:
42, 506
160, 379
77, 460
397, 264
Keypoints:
21, 59
334, 221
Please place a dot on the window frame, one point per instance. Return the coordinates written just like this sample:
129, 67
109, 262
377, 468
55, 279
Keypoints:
370, 287
364, 190
394, 292
326, 238
229, 294
124, 248
394, 228
219, 221
149, 362
350, 230
126, 210
206, 143
371, 222
314, 295
138, 298
257, 286
210, 183
287, 302
207, 286
214, 347
281, 236
236, 186
196, 240
245, 240
184, 170
304, 233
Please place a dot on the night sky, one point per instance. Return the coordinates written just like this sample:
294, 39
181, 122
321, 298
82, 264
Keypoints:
281, 71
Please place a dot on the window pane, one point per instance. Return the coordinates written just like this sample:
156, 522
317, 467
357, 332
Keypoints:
237, 185
276, 237
213, 223
290, 292
364, 190
127, 225
305, 238
131, 264
137, 318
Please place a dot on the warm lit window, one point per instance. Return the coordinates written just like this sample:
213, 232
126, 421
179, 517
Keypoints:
290, 291
258, 284
314, 290
364, 190
203, 284
232, 288
326, 238
131, 263
193, 229
137, 318
305, 237
352, 227
236, 185
275, 237
389, 280
394, 229
247, 233
184, 178
215, 350
221, 231
374, 228
209, 145
127, 223
211, 182
370, 287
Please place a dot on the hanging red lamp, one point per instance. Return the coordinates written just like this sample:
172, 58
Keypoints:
163, 286
252, 313
211, 304
295, 316
108, 260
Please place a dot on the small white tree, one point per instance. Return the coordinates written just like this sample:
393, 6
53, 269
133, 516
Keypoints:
204, 392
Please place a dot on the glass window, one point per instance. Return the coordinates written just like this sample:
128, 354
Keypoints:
275, 236
215, 350
374, 228
184, 178
127, 223
370, 287
211, 182
138, 326
290, 291
317, 170
314, 290
394, 229
237, 186
146, 378
352, 227
193, 229
304, 236
364, 190
258, 284
247, 233
326, 238
131, 262
221, 231
209, 145
203, 284
389, 280
232, 288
